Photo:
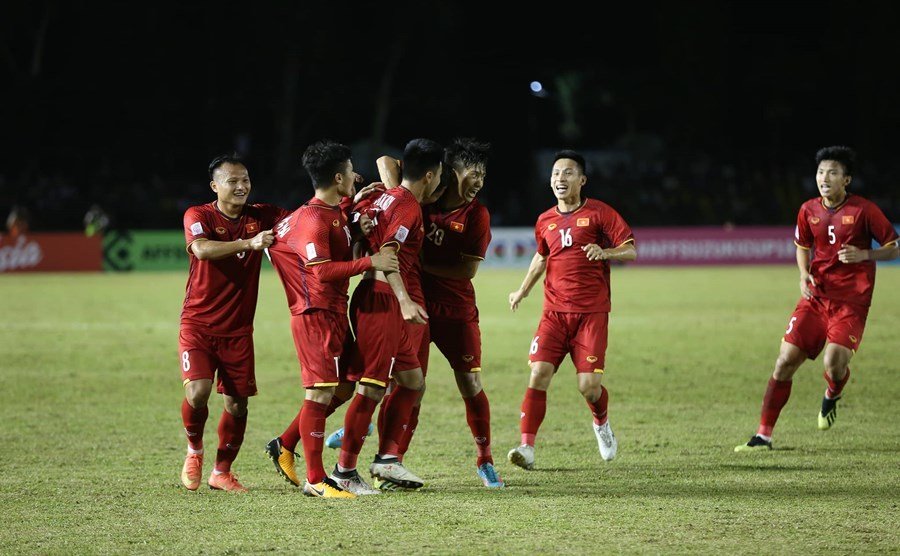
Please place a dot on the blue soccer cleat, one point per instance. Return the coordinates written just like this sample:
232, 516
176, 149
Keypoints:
489, 476
336, 438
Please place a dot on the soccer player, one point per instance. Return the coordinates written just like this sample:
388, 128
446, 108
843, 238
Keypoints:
575, 242
387, 314
313, 256
834, 236
224, 243
457, 235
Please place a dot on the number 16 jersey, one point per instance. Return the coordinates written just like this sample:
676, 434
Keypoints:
573, 283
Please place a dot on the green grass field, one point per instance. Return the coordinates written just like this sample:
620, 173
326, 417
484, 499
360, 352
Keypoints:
92, 443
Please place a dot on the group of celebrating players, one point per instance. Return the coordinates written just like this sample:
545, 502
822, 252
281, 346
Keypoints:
417, 238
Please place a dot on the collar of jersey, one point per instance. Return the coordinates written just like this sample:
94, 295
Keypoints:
581, 206
835, 209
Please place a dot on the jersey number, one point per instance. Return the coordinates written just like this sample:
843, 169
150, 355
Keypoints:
436, 235
185, 361
790, 325
566, 237
534, 346
831, 237
283, 227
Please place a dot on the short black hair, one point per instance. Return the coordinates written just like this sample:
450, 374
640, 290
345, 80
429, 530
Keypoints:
571, 155
233, 158
839, 153
466, 152
420, 156
323, 159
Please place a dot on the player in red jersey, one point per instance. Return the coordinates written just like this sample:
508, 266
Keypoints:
836, 285
387, 315
313, 256
457, 235
575, 242
224, 242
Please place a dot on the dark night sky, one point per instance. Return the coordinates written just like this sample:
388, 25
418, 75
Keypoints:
125, 96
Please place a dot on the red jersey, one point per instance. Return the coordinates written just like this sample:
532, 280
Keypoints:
450, 237
314, 234
573, 283
397, 216
856, 222
220, 297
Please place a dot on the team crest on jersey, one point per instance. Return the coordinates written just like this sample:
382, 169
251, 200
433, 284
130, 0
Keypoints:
252, 228
335, 223
847, 219
457, 226
814, 220
552, 226
220, 230
591, 358
468, 358
582, 222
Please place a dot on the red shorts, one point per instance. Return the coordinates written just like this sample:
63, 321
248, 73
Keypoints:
385, 343
583, 335
820, 320
457, 335
319, 338
228, 359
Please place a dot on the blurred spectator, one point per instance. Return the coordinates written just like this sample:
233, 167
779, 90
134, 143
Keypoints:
18, 220
95, 221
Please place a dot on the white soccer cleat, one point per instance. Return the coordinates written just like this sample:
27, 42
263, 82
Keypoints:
523, 456
352, 482
606, 440
392, 471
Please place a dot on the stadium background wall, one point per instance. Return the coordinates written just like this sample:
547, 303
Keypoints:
160, 250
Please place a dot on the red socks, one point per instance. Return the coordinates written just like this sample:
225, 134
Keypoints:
777, 394
410, 431
598, 408
478, 416
356, 425
291, 435
312, 431
835, 388
534, 406
397, 412
231, 436
194, 420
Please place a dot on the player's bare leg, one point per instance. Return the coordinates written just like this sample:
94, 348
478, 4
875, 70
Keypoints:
534, 407
194, 412
478, 416
596, 396
777, 393
837, 373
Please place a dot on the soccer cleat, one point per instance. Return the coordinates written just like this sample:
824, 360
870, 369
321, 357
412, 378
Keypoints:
283, 460
523, 456
352, 482
336, 438
489, 476
755, 444
227, 481
390, 470
828, 415
192, 470
606, 440
326, 489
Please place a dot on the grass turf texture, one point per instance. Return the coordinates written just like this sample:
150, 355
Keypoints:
92, 444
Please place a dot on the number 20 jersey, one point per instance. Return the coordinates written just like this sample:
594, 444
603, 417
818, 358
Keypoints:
573, 283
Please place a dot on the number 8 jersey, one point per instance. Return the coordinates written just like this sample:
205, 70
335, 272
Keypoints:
573, 283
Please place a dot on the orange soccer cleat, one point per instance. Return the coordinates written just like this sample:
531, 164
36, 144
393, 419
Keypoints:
190, 473
227, 481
